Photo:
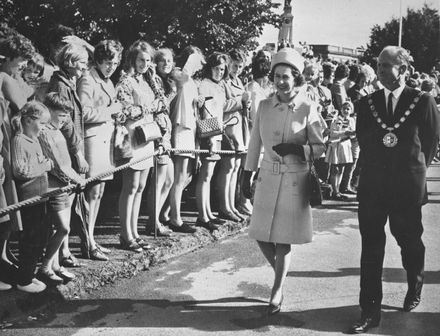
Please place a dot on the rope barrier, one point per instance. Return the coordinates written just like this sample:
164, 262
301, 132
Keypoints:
204, 151
71, 187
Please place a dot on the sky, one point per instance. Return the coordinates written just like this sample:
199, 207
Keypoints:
345, 23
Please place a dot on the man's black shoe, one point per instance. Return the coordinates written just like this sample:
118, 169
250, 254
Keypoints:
411, 301
364, 324
210, 226
413, 296
184, 228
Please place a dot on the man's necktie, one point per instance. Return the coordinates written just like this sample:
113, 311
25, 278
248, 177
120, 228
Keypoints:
390, 106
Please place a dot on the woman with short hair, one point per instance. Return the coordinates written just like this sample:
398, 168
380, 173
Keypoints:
15, 51
72, 61
288, 127
98, 99
235, 138
217, 104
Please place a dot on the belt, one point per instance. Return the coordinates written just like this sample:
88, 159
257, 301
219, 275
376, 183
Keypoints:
277, 168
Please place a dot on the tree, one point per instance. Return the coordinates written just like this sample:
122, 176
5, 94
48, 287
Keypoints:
420, 35
209, 24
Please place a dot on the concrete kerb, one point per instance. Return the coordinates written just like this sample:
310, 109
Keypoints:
16, 305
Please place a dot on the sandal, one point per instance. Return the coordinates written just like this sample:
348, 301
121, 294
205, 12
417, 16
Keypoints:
69, 261
142, 243
339, 197
130, 245
65, 274
48, 277
229, 215
162, 231
102, 248
98, 254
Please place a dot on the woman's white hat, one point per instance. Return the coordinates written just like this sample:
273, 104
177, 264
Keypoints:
288, 56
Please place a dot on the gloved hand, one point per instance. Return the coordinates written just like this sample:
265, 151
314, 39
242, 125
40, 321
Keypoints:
246, 183
283, 149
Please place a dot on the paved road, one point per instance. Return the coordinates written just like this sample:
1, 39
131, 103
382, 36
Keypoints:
223, 290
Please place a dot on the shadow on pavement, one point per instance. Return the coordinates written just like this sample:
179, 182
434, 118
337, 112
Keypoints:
228, 314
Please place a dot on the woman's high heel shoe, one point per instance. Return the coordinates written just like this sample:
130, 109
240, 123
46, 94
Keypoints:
130, 245
239, 215
97, 254
273, 309
162, 231
103, 249
229, 215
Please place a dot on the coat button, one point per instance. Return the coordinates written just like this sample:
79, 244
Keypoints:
277, 133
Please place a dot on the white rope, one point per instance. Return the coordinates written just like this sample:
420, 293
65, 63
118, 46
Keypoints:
71, 187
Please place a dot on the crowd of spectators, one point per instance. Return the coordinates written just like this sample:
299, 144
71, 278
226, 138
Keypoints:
81, 110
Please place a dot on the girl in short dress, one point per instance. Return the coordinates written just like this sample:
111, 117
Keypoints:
137, 97
339, 154
163, 87
184, 108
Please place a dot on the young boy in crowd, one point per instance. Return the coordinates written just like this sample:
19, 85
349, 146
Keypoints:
30, 168
55, 147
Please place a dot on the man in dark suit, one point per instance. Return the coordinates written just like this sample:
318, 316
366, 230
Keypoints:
398, 132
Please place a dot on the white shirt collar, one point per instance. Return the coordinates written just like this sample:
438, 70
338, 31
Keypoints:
396, 93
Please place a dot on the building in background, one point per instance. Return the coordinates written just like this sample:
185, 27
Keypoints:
336, 53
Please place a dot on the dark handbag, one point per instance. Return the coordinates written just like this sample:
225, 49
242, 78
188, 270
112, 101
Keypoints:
122, 144
315, 184
146, 132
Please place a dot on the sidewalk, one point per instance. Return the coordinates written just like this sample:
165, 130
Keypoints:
122, 264
16, 305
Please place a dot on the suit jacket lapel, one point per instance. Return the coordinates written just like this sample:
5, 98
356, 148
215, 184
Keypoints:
72, 86
403, 103
379, 103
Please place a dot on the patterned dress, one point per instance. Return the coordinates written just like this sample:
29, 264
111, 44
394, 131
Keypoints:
137, 98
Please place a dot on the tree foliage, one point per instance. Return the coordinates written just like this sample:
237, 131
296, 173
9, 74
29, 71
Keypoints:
420, 35
209, 24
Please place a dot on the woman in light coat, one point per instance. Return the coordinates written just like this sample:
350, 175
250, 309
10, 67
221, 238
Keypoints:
287, 126
98, 99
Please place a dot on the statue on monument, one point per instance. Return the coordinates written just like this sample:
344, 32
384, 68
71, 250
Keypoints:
285, 35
